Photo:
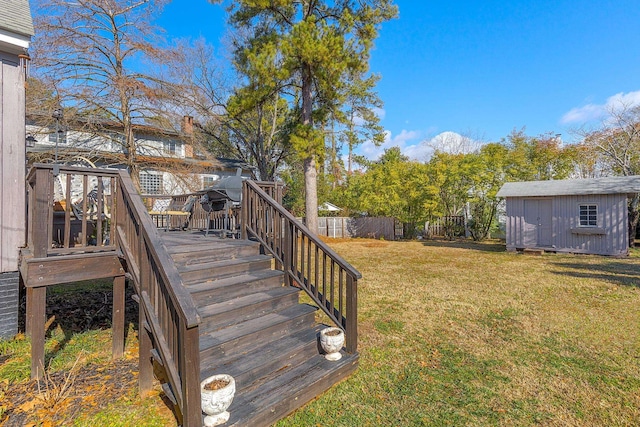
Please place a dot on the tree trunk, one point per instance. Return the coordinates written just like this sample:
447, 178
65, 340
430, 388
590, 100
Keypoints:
310, 173
310, 187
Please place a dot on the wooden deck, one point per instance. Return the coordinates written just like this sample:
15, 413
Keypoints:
207, 305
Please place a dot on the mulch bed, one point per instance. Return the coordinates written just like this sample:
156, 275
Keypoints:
90, 389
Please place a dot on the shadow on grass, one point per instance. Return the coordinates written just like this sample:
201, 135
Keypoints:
486, 246
619, 273
80, 307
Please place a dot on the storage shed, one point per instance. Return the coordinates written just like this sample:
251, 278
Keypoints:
580, 216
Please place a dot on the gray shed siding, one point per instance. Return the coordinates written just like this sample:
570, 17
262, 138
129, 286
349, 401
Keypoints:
12, 162
566, 234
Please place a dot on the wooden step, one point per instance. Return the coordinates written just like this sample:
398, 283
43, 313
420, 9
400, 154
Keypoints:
285, 393
243, 308
235, 339
225, 268
188, 254
262, 362
216, 291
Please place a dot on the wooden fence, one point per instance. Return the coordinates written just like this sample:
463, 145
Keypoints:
374, 228
446, 226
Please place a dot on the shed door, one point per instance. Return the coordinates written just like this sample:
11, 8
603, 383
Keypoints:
538, 231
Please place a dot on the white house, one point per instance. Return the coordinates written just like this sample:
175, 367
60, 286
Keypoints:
170, 164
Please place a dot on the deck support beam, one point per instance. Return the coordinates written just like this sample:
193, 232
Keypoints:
117, 322
145, 364
36, 314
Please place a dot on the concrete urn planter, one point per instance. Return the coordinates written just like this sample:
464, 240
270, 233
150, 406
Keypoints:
215, 402
332, 340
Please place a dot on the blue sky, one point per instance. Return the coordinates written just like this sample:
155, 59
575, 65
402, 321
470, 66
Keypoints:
483, 68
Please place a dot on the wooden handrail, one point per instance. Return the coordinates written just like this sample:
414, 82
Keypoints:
305, 259
167, 310
169, 272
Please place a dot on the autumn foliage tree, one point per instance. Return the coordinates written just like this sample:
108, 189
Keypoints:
618, 143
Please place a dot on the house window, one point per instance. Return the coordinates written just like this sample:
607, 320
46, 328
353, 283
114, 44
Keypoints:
150, 183
171, 147
116, 141
59, 137
588, 215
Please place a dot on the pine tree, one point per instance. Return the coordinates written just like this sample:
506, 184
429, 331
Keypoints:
307, 50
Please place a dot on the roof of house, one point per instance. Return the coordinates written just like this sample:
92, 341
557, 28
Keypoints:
15, 17
572, 187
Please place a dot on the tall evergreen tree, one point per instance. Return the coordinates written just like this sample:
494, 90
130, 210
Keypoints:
307, 50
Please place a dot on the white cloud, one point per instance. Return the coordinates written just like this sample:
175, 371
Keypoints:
403, 140
409, 143
454, 143
380, 112
590, 112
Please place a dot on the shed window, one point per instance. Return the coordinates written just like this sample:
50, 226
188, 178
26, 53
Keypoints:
588, 215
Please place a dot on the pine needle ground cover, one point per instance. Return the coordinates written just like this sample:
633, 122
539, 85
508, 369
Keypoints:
451, 333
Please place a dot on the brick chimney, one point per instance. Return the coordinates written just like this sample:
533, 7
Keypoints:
187, 130
187, 125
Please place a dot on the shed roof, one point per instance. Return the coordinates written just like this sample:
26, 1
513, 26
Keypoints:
15, 17
572, 187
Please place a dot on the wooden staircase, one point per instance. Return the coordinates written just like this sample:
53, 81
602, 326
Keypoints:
253, 328
206, 305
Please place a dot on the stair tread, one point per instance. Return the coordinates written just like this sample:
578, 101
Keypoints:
205, 244
285, 393
232, 280
239, 364
211, 339
245, 301
223, 263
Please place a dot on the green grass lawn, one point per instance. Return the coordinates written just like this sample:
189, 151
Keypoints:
451, 333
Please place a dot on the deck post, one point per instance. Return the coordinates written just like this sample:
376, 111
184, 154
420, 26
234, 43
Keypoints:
244, 212
352, 315
36, 315
287, 256
42, 217
190, 361
117, 323
145, 377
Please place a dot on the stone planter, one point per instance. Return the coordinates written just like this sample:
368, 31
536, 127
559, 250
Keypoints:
332, 340
216, 402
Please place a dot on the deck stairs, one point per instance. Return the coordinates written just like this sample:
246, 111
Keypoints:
254, 328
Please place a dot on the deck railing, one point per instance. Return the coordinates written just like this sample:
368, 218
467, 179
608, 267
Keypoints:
305, 259
78, 212
166, 307
71, 209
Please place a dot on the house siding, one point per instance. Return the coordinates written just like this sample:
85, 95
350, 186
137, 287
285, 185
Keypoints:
12, 162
